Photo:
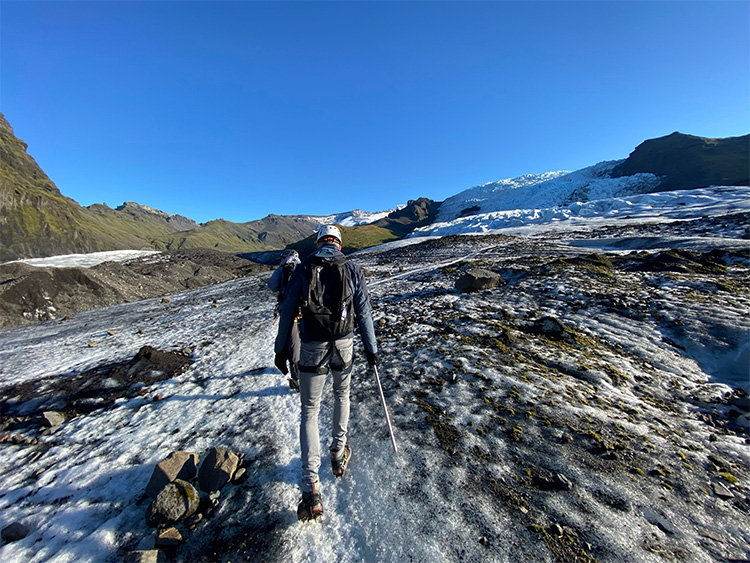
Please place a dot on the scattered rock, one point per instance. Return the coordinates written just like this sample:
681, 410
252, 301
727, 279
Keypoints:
145, 556
207, 506
744, 422
177, 465
549, 327
477, 280
194, 520
168, 538
713, 393
562, 482
53, 418
660, 521
217, 469
711, 535
719, 462
240, 476
555, 530
14, 532
166, 299
722, 492
177, 501
484, 541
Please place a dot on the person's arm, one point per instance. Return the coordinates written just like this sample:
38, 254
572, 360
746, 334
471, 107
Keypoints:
288, 310
274, 282
364, 311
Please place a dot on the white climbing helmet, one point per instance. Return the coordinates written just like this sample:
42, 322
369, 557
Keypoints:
329, 231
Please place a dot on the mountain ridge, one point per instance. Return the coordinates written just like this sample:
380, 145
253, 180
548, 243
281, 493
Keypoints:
38, 220
687, 161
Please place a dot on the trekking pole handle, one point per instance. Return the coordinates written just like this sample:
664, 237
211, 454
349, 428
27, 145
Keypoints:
385, 408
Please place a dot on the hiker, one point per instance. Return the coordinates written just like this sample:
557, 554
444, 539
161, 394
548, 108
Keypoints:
331, 292
279, 282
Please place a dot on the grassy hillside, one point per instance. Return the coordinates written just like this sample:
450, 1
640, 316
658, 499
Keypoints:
270, 233
36, 220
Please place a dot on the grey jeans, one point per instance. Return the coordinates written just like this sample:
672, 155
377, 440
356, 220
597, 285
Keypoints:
335, 357
293, 346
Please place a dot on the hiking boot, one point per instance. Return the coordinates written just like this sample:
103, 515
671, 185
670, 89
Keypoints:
339, 465
311, 505
294, 384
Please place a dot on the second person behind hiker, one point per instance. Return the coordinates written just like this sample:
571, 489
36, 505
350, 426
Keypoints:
279, 282
332, 293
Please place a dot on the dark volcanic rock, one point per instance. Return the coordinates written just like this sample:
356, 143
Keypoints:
685, 162
176, 501
477, 280
549, 327
177, 465
29, 294
217, 469
93, 389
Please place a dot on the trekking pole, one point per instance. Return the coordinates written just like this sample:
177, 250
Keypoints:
387, 418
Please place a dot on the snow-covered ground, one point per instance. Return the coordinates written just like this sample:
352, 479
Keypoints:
540, 191
637, 209
514, 446
86, 260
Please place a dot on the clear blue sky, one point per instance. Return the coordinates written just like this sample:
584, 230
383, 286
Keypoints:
239, 109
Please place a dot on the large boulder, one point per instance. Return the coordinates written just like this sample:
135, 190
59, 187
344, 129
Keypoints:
175, 502
477, 280
177, 465
217, 469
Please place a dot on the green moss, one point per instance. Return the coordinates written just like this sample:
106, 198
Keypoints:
563, 546
447, 434
516, 432
594, 435
729, 478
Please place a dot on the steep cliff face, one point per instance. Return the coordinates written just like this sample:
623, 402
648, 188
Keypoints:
685, 162
37, 220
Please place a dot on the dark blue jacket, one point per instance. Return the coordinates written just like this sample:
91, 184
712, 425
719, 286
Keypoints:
361, 301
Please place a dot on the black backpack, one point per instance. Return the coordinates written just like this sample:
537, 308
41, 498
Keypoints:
328, 303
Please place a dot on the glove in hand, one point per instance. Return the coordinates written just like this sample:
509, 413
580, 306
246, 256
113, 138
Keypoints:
280, 361
372, 358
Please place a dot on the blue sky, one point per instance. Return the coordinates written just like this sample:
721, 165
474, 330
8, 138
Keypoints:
239, 109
